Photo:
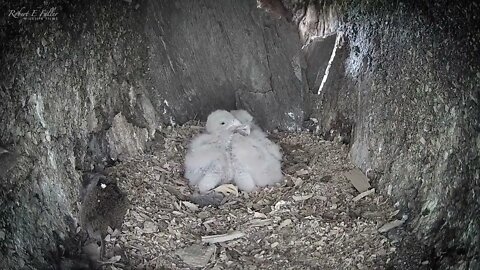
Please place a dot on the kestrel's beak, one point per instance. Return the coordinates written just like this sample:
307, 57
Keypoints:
238, 127
243, 130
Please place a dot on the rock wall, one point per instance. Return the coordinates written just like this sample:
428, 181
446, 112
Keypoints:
206, 55
64, 82
404, 92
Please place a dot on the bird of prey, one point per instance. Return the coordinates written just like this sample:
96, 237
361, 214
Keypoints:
257, 133
226, 153
103, 205
208, 162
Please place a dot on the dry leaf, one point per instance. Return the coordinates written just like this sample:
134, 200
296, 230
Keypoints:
227, 189
116, 233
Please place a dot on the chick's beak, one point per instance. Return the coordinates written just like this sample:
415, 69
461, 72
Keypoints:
238, 127
243, 130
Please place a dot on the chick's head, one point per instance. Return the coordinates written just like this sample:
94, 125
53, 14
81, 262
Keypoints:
243, 116
223, 122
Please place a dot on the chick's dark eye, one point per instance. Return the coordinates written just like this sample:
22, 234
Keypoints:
222, 123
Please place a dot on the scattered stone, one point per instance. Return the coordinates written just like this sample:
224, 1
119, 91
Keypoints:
196, 255
358, 179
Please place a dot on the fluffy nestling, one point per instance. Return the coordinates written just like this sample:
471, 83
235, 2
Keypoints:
257, 133
226, 153
208, 161
103, 205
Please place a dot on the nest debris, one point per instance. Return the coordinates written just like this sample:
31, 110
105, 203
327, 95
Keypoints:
310, 221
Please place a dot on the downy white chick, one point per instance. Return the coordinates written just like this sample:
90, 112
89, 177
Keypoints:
208, 162
257, 133
255, 165
226, 153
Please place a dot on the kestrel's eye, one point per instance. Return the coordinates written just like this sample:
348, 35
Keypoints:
223, 123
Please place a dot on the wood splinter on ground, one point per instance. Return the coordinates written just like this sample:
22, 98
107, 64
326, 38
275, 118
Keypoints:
363, 195
222, 237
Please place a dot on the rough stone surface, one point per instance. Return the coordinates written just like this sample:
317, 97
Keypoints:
206, 55
406, 91
93, 84
62, 83
125, 139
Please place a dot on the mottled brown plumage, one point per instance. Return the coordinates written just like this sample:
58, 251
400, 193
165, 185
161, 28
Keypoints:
104, 205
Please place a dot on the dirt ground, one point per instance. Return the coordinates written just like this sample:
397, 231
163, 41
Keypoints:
308, 222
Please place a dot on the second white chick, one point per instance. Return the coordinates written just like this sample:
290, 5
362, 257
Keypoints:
257, 133
256, 167
209, 161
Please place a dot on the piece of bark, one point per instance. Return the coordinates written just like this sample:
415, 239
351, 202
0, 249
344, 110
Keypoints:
196, 255
358, 180
222, 237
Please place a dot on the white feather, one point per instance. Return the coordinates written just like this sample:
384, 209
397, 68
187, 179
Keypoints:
257, 133
256, 160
